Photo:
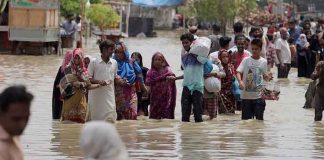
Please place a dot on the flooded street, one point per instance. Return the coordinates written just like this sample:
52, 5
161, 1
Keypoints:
288, 131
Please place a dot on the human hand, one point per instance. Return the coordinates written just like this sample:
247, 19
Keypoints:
102, 83
171, 78
242, 86
76, 84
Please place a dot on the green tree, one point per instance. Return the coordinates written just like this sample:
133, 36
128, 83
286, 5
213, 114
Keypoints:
69, 7
222, 11
103, 16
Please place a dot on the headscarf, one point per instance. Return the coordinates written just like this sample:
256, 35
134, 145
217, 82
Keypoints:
80, 69
154, 74
101, 141
166, 64
127, 68
302, 40
66, 60
139, 56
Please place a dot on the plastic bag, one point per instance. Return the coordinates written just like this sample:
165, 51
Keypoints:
213, 84
270, 91
236, 89
201, 47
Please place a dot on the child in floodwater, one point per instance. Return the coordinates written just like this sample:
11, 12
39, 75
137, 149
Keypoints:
318, 101
250, 74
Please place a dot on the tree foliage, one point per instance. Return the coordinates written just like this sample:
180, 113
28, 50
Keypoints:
218, 10
103, 16
69, 7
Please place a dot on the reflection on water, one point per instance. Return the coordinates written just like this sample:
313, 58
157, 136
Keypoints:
288, 131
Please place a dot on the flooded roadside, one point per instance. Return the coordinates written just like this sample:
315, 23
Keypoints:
288, 131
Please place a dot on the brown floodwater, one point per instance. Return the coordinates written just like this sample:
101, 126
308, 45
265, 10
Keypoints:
288, 131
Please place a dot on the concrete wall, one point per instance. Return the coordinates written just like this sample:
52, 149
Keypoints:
163, 17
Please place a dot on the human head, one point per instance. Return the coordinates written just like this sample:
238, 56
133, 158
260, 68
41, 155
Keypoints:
193, 29
158, 61
87, 60
67, 59
247, 42
256, 32
238, 27
216, 28
107, 49
290, 40
292, 24
120, 52
100, 140
15, 104
138, 58
77, 58
70, 17
224, 56
270, 37
224, 42
283, 33
187, 40
321, 38
308, 34
256, 45
240, 42
78, 19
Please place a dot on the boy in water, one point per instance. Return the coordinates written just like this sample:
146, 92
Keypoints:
318, 101
250, 74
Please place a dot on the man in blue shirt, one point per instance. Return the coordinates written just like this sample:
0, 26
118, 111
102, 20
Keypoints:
193, 83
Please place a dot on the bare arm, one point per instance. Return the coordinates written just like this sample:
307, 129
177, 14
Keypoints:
278, 51
239, 78
179, 77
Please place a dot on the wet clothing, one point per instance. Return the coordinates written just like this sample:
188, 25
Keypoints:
57, 101
226, 98
191, 101
74, 103
163, 93
304, 56
283, 72
309, 95
126, 98
126, 102
285, 57
102, 105
142, 104
253, 108
318, 100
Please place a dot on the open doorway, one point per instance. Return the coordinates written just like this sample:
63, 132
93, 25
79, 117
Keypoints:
5, 44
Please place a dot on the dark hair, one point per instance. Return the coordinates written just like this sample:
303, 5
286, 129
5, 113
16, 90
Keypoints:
14, 94
247, 39
270, 37
216, 28
238, 27
78, 18
290, 40
187, 36
257, 42
139, 56
224, 41
106, 44
239, 37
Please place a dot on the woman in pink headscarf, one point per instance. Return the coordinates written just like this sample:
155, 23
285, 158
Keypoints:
56, 98
74, 86
160, 80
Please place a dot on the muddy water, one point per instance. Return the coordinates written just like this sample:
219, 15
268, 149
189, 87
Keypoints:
288, 131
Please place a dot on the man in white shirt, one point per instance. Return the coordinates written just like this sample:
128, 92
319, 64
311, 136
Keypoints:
283, 54
103, 71
78, 35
